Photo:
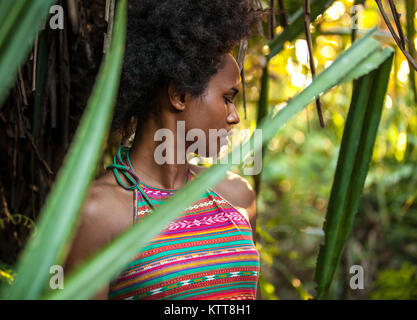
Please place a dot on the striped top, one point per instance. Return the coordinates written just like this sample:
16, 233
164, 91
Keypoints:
208, 253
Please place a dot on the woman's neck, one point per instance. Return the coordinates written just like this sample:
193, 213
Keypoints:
171, 172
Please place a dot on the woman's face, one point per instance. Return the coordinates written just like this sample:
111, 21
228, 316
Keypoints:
214, 111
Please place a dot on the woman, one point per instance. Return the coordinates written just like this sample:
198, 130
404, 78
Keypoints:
178, 68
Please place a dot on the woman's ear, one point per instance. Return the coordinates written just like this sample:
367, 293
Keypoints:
176, 98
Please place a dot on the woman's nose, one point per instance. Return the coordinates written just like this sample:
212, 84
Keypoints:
233, 117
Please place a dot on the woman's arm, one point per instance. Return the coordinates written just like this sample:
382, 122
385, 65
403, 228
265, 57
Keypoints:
90, 236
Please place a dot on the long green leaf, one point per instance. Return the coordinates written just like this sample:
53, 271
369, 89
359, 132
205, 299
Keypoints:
374, 60
352, 167
90, 276
263, 97
41, 68
5, 7
59, 215
21, 21
297, 26
262, 113
411, 34
344, 170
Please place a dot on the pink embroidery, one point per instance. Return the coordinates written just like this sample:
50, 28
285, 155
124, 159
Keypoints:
218, 218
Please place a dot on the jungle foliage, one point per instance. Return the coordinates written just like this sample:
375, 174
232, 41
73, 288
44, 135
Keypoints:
328, 198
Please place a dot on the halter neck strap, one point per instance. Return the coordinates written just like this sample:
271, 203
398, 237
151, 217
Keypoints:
122, 163
119, 164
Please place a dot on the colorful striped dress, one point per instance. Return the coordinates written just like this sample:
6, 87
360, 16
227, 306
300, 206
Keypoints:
206, 254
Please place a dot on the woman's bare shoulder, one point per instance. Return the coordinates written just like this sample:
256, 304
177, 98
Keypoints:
103, 197
103, 215
235, 189
101, 218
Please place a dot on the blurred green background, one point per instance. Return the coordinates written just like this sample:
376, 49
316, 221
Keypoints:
299, 165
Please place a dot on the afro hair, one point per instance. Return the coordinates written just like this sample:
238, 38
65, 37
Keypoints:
179, 42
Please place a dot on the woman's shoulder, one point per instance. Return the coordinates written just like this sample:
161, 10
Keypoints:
101, 196
107, 202
235, 189
105, 213
102, 216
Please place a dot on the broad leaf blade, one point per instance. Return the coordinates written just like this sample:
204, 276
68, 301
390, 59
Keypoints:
59, 215
352, 167
17, 32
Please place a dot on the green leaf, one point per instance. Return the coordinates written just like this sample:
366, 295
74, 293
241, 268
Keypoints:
411, 32
374, 61
262, 113
19, 24
90, 276
356, 150
59, 215
41, 69
263, 97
